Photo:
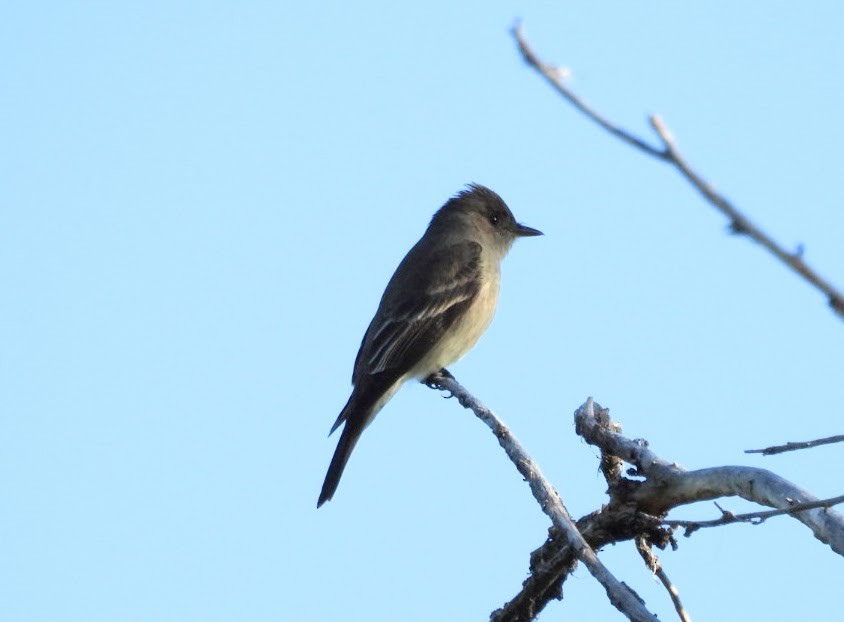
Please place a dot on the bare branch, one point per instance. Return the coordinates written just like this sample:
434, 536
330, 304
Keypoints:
739, 223
552, 562
794, 446
636, 508
645, 550
556, 76
549, 500
754, 518
668, 485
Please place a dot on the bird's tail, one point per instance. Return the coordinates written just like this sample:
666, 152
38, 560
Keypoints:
366, 400
357, 414
348, 439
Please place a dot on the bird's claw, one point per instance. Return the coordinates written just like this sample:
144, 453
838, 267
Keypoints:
434, 381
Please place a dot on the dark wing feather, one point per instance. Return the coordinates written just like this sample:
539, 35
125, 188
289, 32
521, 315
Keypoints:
408, 324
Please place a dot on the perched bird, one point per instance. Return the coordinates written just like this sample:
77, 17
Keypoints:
438, 303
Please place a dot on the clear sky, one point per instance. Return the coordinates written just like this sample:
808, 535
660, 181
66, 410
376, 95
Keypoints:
202, 203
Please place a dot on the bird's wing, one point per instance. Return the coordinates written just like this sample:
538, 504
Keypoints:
407, 325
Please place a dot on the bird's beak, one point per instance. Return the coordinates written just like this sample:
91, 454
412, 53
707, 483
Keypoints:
523, 231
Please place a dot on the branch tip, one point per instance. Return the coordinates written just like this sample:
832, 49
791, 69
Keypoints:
669, 153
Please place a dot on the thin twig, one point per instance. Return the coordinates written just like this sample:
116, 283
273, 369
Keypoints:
652, 561
549, 500
794, 446
555, 77
739, 223
754, 518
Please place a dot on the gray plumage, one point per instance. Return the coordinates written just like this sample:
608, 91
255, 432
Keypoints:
436, 306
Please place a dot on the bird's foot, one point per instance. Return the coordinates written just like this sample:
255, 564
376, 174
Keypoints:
434, 381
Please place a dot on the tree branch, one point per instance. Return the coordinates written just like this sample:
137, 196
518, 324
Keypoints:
621, 596
645, 550
669, 153
636, 509
554, 561
794, 446
754, 518
668, 485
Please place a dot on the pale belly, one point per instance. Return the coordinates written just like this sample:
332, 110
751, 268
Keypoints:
463, 335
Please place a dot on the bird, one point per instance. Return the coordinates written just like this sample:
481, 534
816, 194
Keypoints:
438, 303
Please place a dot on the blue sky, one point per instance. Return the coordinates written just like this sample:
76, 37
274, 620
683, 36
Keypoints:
202, 205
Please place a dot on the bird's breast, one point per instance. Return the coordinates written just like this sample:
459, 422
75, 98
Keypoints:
464, 333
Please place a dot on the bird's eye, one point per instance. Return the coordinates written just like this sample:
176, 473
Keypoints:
493, 218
